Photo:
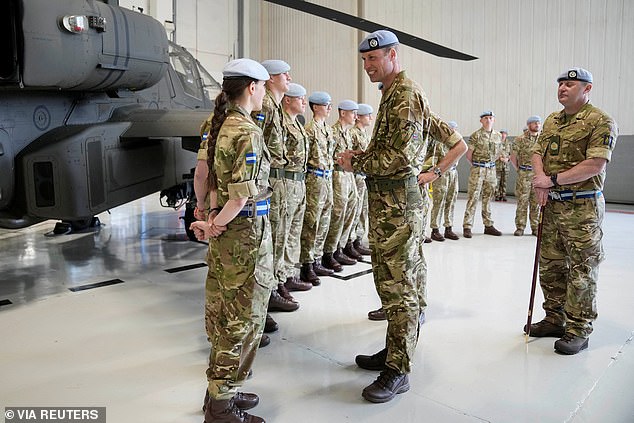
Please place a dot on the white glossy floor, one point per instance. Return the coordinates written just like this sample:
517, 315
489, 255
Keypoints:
138, 347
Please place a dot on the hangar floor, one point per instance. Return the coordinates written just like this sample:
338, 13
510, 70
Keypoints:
134, 342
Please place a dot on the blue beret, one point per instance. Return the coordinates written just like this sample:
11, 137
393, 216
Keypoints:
378, 39
295, 90
348, 105
487, 113
533, 119
365, 109
275, 67
245, 67
575, 74
452, 124
320, 97
504, 131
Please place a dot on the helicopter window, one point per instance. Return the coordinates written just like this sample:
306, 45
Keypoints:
210, 85
184, 68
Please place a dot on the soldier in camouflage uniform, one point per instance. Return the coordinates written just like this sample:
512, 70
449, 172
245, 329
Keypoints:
569, 162
502, 166
344, 195
392, 165
294, 103
521, 158
360, 141
484, 146
318, 189
240, 250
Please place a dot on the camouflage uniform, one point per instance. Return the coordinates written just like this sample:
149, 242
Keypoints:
318, 190
270, 120
571, 235
391, 163
485, 146
526, 199
360, 141
445, 188
294, 173
344, 195
240, 258
502, 168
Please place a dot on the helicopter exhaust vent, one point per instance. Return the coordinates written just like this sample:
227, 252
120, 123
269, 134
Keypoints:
44, 184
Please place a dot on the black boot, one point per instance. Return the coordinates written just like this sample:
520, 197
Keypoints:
372, 362
329, 262
386, 386
226, 411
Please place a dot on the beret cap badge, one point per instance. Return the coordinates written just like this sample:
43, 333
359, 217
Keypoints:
572, 74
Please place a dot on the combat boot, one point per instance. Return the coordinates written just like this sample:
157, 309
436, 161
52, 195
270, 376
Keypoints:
329, 262
242, 400
490, 230
518, 232
546, 329
264, 341
377, 315
308, 275
283, 291
278, 303
372, 362
296, 284
571, 344
226, 411
343, 259
361, 249
321, 270
436, 235
449, 234
270, 325
426, 239
466, 232
351, 252
386, 386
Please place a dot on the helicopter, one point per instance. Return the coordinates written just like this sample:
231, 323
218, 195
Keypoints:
97, 108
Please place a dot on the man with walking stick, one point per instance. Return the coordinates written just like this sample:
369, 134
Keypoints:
569, 162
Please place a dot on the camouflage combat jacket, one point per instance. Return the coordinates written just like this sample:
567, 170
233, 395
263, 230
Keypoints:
296, 144
321, 145
523, 149
486, 146
269, 119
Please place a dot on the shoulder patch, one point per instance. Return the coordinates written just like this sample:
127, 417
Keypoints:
251, 158
259, 117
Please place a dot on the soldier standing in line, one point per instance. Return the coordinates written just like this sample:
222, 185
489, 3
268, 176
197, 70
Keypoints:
240, 251
344, 195
321, 147
502, 166
270, 120
293, 104
392, 165
521, 157
569, 162
484, 146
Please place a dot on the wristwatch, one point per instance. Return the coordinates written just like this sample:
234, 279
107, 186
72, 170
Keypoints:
553, 179
437, 171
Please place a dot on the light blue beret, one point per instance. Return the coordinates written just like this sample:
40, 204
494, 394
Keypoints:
452, 124
365, 109
378, 39
533, 119
320, 97
245, 67
348, 105
275, 67
575, 74
487, 113
504, 131
295, 90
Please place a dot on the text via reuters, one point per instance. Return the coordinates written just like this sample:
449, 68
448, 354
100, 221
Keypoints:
54, 414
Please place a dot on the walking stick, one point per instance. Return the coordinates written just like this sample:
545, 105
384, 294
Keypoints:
535, 269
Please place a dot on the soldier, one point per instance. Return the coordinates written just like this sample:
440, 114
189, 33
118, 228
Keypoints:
293, 104
569, 162
239, 239
502, 166
392, 165
445, 191
270, 120
337, 249
521, 160
360, 141
318, 189
484, 145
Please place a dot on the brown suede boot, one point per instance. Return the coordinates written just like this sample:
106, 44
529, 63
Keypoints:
466, 232
490, 230
295, 284
361, 249
351, 252
329, 262
436, 235
449, 234
321, 270
278, 303
226, 411
283, 291
343, 258
242, 400
377, 315
270, 325
307, 274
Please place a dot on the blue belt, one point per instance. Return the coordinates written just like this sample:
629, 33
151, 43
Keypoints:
320, 172
522, 167
568, 194
484, 164
259, 208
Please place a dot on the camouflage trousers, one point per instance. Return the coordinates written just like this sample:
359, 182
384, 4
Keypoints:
571, 252
241, 270
501, 174
481, 185
444, 199
526, 201
398, 267
295, 208
316, 217
277, 217
344, 203
361, 217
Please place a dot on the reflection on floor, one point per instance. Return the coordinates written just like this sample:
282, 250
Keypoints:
134, 343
